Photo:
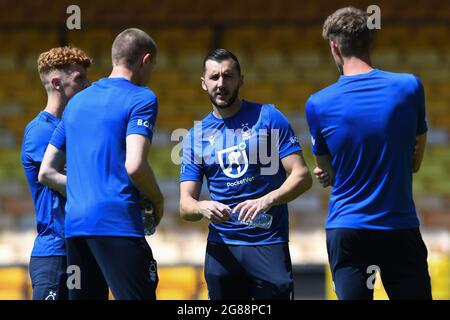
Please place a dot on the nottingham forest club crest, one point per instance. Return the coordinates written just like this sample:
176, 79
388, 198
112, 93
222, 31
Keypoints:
233, 161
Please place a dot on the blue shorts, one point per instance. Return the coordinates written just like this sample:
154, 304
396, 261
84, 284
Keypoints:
249, 272
400, 256
48, 277
123, 264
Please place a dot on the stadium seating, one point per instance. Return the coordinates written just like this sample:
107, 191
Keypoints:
177, 283
14, 283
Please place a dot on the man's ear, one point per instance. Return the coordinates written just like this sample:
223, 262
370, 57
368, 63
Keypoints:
335, 48
55, 83
147, 58
241, 80
203, 83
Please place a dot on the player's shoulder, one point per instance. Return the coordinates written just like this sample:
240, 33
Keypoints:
39, 125
79, 99
32, 124
319, 101
270, 111
323, 95
395, 75
260, 110
269, 115
251, 106
407, 78
141, 97
143, 92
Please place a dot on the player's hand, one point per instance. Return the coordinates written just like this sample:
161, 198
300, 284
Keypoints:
251, 208
158, 207
322, 176
214, 211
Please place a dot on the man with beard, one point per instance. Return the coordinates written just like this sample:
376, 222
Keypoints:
242, 261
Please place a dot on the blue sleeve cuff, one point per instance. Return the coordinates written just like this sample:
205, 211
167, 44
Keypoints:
289, 151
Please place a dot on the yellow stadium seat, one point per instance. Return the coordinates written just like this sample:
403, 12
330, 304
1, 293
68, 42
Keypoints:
13, 283
177, 283
439, 268
434, 36
393, 37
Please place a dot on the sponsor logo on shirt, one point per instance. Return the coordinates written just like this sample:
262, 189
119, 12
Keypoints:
144, 123
242, 181
293, 139
234, 161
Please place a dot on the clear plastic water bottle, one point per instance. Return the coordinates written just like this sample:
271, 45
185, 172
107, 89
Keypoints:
262, 220
148, 218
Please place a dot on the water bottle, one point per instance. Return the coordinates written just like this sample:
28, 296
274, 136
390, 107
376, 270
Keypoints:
148, 218
262, 220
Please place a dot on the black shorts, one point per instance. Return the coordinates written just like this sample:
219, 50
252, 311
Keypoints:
400, 256
48, 277
124, 264
249, 272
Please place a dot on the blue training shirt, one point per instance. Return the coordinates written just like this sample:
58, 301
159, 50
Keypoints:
49, 204
368, 124
239, 163
101, 199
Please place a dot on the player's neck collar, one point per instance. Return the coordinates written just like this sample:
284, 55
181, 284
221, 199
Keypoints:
238, 111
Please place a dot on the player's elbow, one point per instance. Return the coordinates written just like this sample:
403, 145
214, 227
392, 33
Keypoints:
306, 180
44, 176
134, 168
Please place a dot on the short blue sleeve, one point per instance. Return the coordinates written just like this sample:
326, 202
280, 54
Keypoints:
421, 122
58, 139
191, 161
287, 139
143, 114
36, 141
319, 146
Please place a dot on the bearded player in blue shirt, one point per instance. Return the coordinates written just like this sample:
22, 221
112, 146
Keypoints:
228, 148
368, 131
105, 135
63, 72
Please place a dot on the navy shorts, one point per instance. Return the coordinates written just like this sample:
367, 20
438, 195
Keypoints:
48, 278
400, 256
123, 264
249, 272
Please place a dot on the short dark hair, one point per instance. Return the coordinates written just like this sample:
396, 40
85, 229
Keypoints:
348, 27
220, 55
129, 45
